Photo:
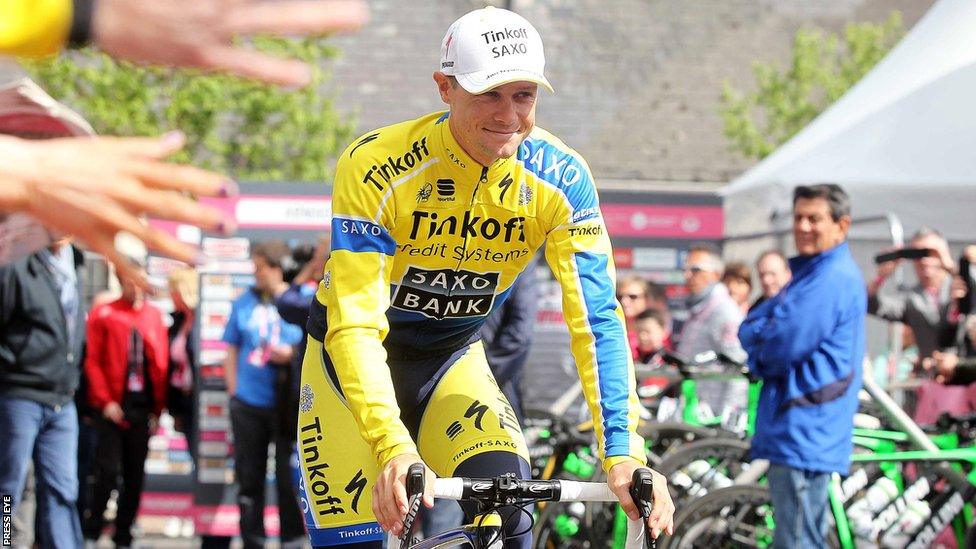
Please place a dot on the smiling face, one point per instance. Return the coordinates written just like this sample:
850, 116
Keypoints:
774, 273
814, 229
490, 125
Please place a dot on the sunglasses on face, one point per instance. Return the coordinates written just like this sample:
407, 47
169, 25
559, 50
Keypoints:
694, 269
620, 297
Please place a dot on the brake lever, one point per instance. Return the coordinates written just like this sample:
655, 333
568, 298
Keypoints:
415, 493
642, 493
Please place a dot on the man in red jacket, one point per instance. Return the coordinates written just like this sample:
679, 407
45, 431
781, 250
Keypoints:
126, 369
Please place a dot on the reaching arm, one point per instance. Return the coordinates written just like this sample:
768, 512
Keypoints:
187, 33
579, 253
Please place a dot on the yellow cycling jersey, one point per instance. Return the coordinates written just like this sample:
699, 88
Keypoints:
426, 242
30, 28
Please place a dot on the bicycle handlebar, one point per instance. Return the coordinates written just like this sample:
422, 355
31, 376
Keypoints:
707, 364
509, 490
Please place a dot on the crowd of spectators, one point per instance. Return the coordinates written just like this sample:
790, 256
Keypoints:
934, 312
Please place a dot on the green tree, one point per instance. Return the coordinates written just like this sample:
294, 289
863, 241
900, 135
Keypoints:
823, 66
248, 130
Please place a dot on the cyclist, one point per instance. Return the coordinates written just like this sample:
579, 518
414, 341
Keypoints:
433, 219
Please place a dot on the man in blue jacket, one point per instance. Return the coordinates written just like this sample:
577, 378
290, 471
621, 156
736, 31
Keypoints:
807, 344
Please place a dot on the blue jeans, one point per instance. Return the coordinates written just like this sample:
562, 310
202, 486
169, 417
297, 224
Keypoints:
799, 507
50, 435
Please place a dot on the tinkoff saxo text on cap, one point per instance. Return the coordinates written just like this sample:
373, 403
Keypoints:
488, 47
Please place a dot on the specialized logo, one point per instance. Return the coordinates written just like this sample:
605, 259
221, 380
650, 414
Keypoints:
356, 485
525, 194
445, 190
504, 185
363, 141
446, 293
423, 195
396, 165
477, 410
427, 224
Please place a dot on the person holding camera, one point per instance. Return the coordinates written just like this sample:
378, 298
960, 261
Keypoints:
928, 307
957, 366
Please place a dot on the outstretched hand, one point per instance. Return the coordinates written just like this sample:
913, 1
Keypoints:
200, 33
94, 187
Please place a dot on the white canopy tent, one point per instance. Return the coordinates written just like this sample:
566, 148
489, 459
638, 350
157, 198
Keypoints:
902, 140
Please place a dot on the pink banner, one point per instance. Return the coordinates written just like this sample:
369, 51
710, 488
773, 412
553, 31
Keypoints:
648, 221
166, 504
314, 212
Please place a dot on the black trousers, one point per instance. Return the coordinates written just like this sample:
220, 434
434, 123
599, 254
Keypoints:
254, 429
121, 455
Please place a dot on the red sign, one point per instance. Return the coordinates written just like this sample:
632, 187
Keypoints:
623, 258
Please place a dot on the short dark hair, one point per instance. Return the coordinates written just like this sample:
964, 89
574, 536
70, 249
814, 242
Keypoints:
655, 314
836, 197
738, 270
657, 292
715, 258
274, 252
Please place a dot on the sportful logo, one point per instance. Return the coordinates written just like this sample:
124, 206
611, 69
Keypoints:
445, 187
454, 429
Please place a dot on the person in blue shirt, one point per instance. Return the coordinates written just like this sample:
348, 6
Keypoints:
807, 344
258, 343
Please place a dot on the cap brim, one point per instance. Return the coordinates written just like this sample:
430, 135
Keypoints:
475, 83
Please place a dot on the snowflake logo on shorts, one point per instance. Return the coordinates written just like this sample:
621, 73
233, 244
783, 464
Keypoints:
306, 398
525, 194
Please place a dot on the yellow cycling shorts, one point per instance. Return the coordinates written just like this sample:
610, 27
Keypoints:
451, 405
